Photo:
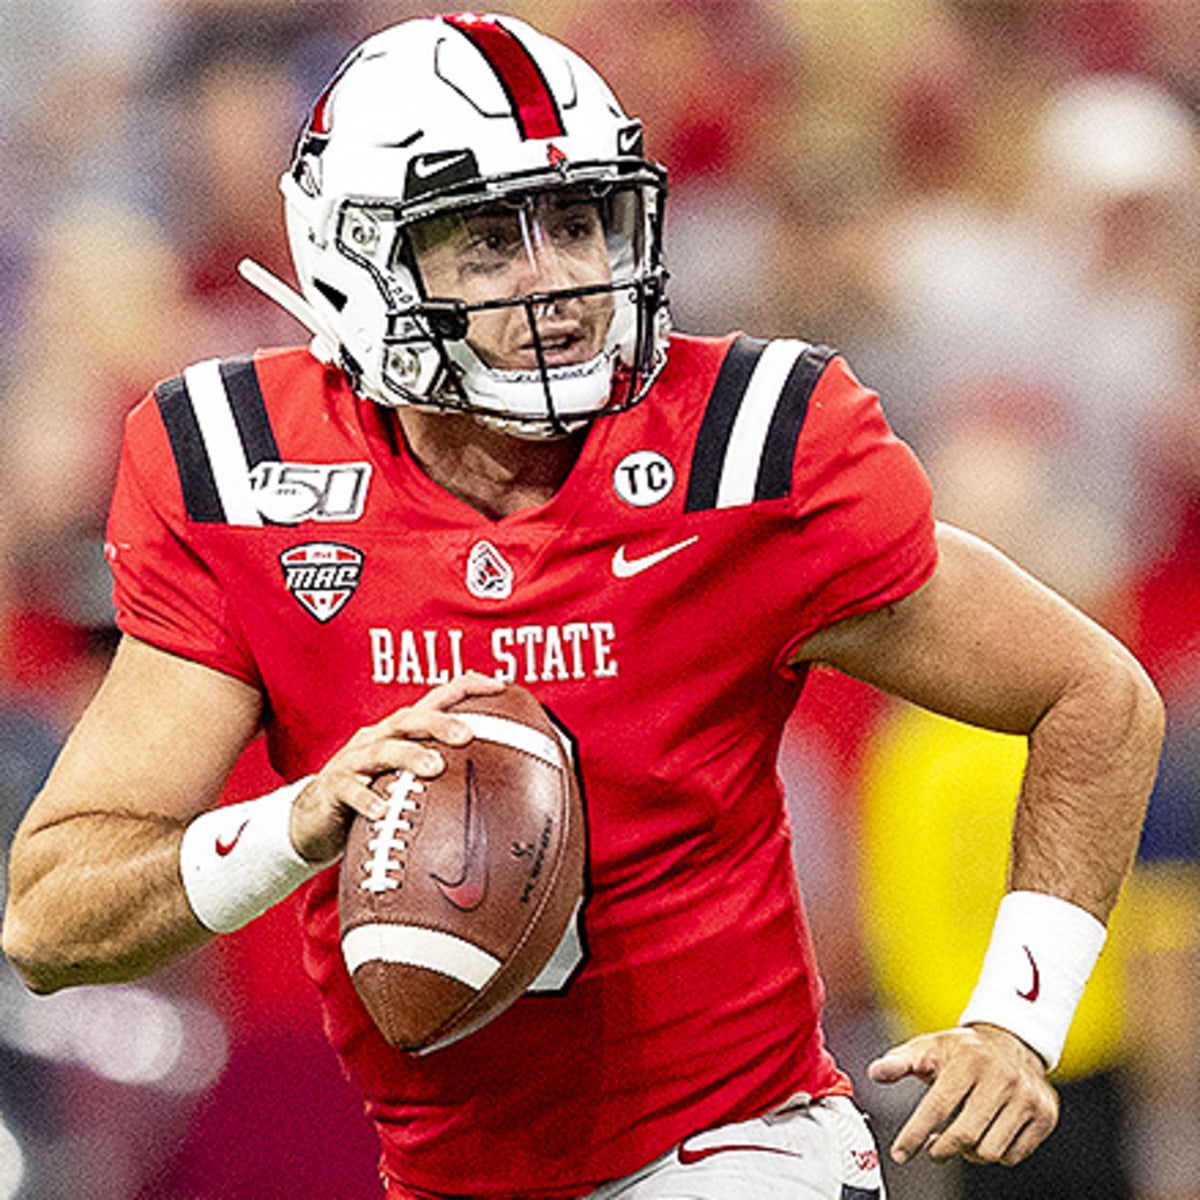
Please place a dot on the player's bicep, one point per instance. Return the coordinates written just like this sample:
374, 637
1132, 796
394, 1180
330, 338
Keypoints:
158, 739
981, 641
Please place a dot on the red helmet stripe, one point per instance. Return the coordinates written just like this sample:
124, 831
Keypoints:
533, 103
320, 121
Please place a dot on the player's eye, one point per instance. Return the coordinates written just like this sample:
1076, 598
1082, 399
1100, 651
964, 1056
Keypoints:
490, 247
578, 226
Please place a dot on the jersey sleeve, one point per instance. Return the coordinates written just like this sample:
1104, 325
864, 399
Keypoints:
163, 589
866, 505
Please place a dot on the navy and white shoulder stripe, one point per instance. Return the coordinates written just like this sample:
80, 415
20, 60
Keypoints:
219, 431
747, 441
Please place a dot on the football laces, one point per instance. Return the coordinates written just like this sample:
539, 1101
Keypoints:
382, 871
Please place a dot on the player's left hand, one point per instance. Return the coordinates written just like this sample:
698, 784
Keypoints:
988, 1101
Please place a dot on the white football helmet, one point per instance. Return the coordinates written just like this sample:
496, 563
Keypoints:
474, 228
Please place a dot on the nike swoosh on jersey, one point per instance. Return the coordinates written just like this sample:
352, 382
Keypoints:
225, 846
468, 890
1035, 988
624, 567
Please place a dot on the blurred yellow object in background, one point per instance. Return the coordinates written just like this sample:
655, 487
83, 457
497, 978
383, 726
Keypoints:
938, 803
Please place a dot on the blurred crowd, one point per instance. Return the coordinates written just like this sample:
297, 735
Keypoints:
990, 206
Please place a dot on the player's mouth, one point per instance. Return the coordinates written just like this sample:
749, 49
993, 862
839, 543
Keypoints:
559, 347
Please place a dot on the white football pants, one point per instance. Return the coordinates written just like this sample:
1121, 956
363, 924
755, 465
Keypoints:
805, 1150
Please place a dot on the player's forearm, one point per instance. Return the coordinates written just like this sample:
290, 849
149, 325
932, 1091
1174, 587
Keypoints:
97, 899
1092, 760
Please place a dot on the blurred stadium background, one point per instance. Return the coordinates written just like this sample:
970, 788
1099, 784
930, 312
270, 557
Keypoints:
989, 205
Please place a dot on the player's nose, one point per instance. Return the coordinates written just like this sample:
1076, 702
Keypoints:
548, 268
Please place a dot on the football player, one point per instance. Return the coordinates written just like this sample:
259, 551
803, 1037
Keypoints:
495, 462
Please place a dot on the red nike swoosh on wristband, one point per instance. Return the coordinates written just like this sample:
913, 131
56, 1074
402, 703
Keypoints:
1036, 987
226, 847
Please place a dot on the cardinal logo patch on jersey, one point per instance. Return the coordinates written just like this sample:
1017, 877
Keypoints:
322, 576
488, 574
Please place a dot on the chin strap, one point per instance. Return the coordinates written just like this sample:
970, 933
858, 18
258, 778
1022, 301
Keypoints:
325, 342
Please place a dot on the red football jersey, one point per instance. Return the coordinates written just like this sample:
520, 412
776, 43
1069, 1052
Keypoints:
270, 524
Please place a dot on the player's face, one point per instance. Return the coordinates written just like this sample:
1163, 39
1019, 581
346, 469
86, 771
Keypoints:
511, 250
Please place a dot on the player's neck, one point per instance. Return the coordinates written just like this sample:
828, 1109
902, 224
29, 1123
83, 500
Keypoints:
494, 473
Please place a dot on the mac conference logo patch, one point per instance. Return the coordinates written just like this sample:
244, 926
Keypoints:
322, 576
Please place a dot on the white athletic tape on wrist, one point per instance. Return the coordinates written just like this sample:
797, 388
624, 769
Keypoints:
238, 860
1042, 951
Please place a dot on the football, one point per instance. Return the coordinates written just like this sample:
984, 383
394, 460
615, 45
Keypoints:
454, 902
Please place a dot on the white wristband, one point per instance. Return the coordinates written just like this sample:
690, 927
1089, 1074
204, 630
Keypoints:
1042, 951
238, 860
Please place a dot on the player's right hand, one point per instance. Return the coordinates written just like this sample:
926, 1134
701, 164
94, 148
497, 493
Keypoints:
323, 811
